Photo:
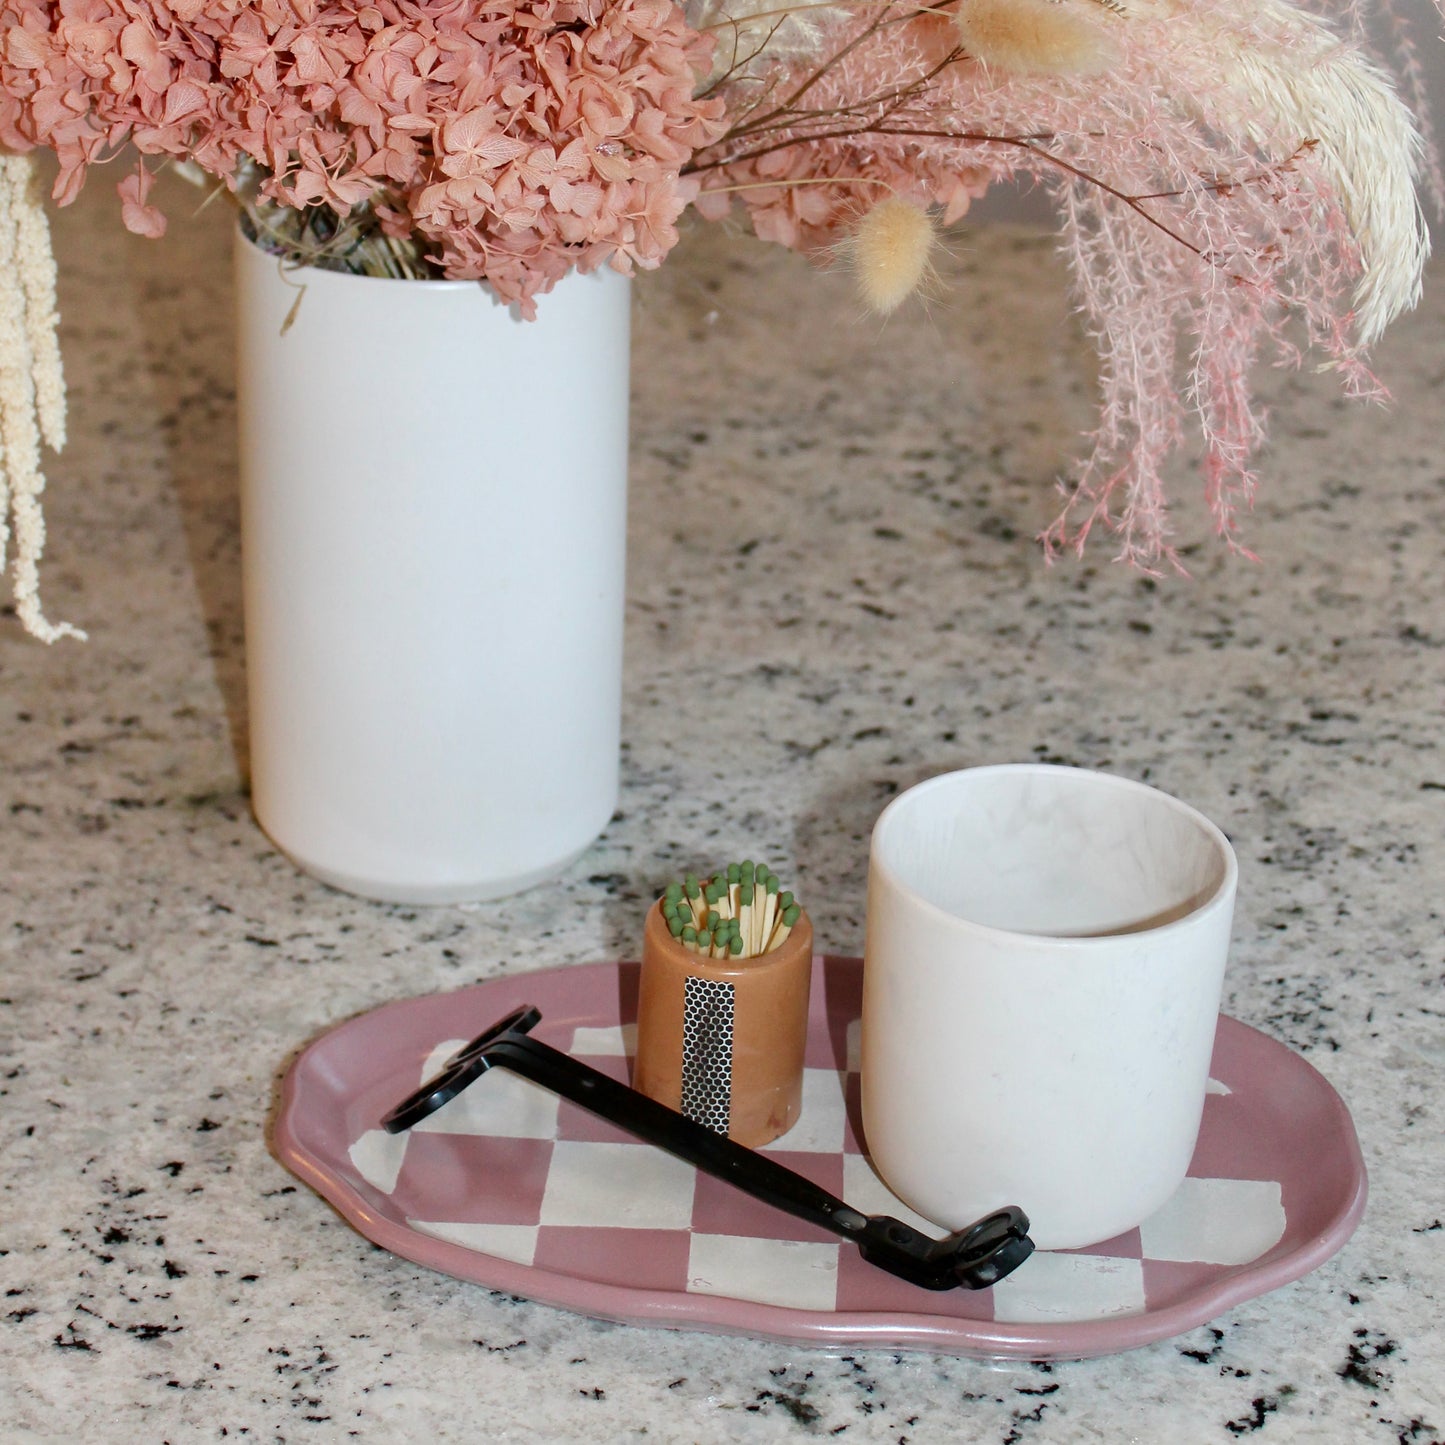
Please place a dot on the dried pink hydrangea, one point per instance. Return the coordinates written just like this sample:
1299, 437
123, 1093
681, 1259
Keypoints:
520, 138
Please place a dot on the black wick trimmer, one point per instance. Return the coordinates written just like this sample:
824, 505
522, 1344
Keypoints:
973, 1258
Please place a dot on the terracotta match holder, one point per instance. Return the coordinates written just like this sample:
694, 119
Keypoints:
722, 1040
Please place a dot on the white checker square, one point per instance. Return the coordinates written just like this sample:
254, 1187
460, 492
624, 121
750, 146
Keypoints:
865, 1191
822, 1119
790, 1273
617, 1186
500, 1104
1216, 1221
616, 1041
440, 1056
515, 1242
1062, 1287
377, 1156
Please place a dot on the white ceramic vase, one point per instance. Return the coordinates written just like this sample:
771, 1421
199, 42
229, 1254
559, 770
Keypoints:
433, 531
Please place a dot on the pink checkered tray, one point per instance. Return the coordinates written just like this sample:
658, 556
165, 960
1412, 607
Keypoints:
512, 1188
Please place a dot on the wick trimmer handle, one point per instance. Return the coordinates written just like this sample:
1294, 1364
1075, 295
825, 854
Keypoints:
973, 1258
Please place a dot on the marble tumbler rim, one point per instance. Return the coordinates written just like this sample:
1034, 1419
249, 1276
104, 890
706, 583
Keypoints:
1220, 897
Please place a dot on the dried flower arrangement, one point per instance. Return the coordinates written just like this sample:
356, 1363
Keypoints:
1223, 169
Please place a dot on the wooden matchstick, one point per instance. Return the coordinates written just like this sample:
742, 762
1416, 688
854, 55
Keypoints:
770, 912
785, 926
737, 913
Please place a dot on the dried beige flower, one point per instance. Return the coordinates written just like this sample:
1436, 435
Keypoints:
889, 253
1034, 37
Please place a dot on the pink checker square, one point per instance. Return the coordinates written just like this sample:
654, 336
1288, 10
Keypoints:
835, 1002
575, 1122
1236, 1145
1168, 1284
465, 1178
719, 1208
853, 1125
637, 1258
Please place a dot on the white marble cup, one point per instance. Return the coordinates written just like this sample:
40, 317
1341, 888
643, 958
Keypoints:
1042, 974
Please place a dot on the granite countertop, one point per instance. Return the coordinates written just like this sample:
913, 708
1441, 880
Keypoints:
864, 608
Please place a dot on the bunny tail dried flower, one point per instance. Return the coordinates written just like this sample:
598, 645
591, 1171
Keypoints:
890, 253
1035, 37
32, 389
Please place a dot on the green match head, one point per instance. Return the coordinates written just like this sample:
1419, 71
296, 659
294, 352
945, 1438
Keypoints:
735, 874
675, 926
745, 894
735, 944
792, 914
785, 901
704, 938
674, 892
689, 933
713, 918
772, 885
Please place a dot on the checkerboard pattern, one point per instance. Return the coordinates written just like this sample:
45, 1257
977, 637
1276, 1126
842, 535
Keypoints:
511, 1171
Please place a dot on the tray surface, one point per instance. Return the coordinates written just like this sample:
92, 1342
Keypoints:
509, 1187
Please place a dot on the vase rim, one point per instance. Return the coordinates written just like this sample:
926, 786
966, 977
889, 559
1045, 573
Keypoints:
291, 268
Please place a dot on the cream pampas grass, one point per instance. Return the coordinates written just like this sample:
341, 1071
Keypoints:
32, 389
1035, 37
890, 252
1297, 83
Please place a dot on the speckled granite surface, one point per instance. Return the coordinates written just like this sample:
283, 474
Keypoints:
863, 608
